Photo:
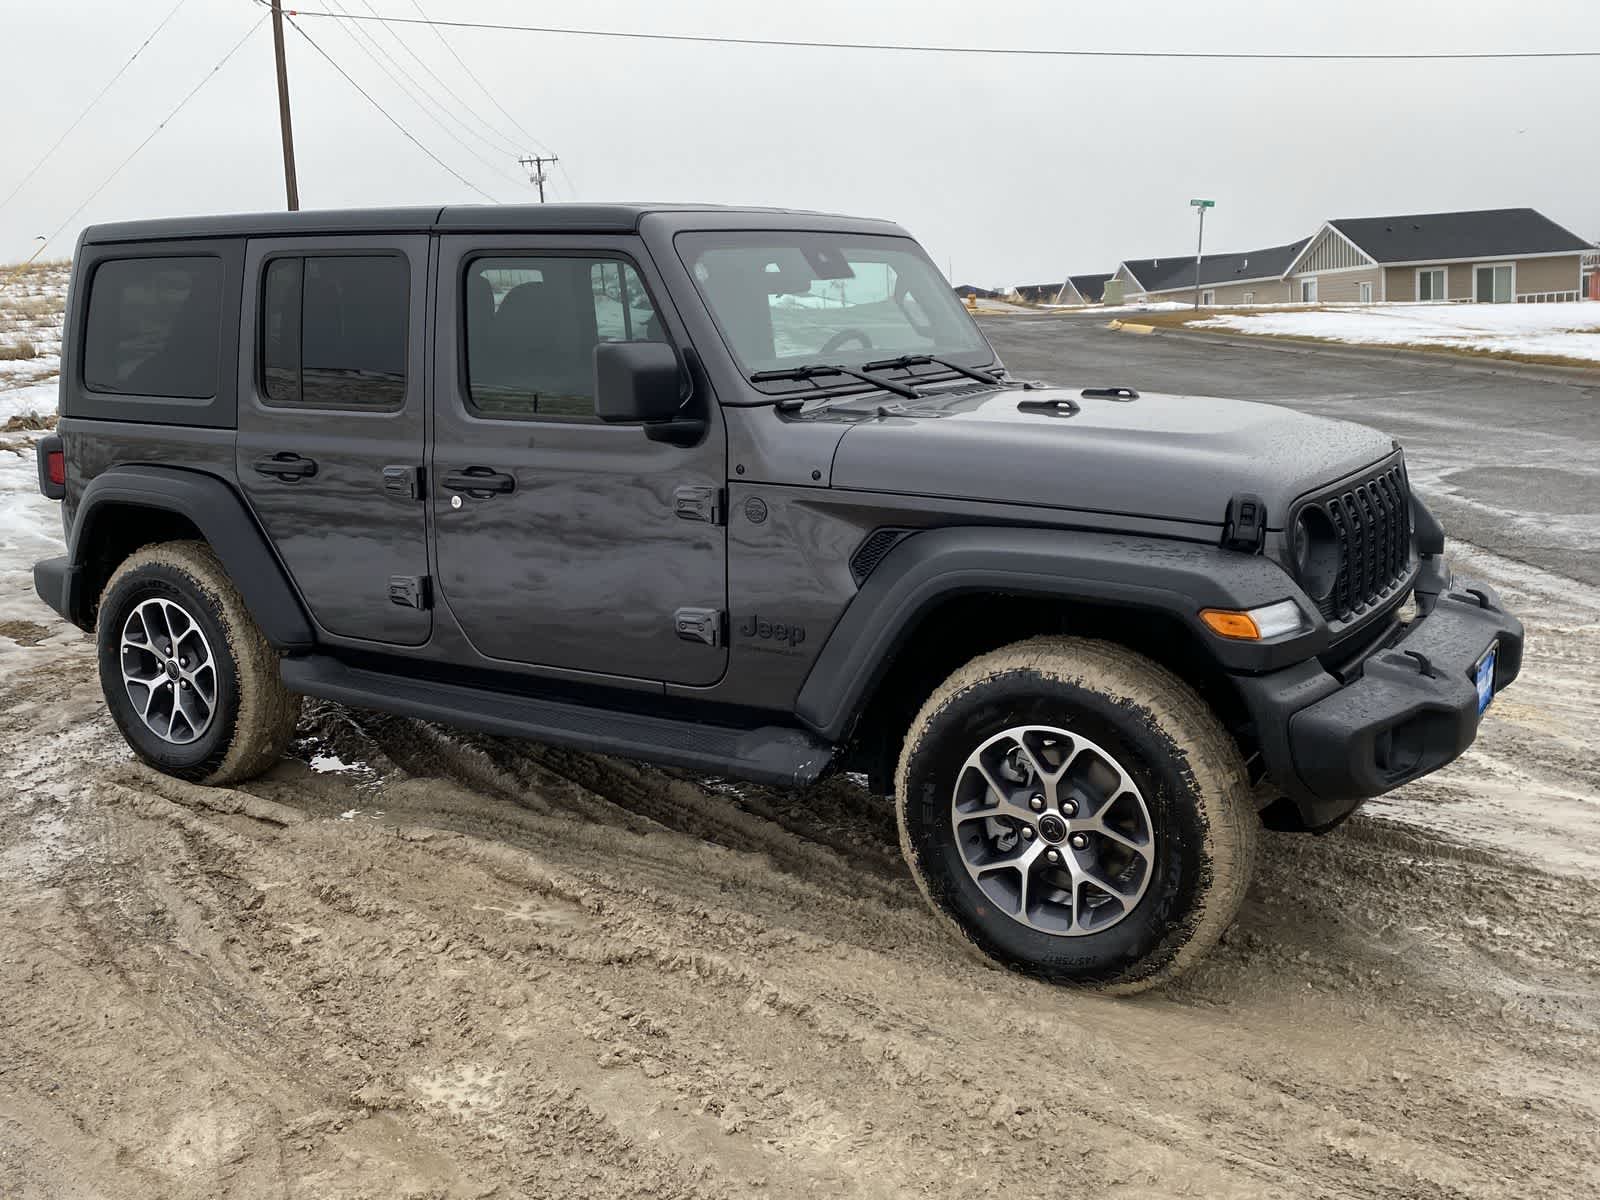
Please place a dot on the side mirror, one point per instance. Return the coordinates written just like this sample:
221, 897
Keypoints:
637, 382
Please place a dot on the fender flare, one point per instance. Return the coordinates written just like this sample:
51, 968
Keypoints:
218, 512
1143, 573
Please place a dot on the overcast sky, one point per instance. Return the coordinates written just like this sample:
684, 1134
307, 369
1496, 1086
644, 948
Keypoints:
1009, 169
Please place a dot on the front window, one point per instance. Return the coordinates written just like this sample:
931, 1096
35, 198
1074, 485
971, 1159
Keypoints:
787, 299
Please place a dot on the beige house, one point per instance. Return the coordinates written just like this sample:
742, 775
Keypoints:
1497, 256
1492, 256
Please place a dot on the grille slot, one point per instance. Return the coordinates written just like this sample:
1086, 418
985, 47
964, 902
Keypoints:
873, 550
1372, 519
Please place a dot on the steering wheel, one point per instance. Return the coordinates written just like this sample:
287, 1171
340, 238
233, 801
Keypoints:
843, 336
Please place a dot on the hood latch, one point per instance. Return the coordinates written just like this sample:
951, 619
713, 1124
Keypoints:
1245, 526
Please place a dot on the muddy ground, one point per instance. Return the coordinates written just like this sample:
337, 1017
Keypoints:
416, 963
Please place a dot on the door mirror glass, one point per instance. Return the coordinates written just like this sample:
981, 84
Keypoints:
637, 382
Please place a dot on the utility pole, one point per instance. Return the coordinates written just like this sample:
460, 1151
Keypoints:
1199, 248
291, 186
535, 164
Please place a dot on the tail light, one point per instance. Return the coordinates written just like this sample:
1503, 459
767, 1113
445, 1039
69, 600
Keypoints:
52, 467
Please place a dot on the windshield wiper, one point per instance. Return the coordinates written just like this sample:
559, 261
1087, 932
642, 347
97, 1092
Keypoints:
820, 369
923, 360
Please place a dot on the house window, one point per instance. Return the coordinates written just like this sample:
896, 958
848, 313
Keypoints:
1430, 284
1493, 284
1208, 298
1308, 291
1249, 297
1366, 293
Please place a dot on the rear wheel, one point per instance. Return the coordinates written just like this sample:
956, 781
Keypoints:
1078, 812
189, 678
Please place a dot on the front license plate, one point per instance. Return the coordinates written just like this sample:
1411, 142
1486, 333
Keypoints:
1483, 675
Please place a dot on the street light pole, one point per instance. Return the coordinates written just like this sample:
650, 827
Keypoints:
1199, 248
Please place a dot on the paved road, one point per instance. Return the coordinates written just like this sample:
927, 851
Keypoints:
1507, 460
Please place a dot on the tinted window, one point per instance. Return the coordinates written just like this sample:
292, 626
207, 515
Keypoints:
153, 327
333, 331
532, 325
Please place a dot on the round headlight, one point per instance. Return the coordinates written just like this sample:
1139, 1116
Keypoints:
1316, 552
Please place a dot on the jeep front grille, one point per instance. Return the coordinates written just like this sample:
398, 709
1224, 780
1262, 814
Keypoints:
1372, 519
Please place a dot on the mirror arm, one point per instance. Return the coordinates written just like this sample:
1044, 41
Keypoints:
679, 431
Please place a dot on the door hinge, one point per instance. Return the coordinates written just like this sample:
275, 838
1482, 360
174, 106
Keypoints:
1244, 526
699, 625
403, 481
410, 591
694, 502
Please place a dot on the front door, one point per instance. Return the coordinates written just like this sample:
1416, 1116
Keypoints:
561, 541
331, 412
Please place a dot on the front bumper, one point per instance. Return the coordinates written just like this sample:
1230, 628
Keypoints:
1408, 709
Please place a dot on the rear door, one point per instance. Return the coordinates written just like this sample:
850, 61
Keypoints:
585, 546
331, 425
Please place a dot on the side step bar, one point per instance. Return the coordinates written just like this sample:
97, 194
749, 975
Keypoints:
771, 754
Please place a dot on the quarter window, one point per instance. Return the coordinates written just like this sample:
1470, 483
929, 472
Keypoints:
154, 327
334, 332
532, 324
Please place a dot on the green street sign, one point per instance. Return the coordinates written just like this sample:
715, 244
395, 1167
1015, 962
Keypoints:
1202, 204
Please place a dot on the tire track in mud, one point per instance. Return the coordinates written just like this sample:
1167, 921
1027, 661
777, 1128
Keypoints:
822, 1036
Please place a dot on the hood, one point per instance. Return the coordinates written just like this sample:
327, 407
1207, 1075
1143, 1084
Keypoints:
1172, 457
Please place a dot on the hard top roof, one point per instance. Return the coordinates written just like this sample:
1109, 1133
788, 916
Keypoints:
467, 218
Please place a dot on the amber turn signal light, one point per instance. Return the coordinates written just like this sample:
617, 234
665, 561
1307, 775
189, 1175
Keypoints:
1231, 624
1255, 624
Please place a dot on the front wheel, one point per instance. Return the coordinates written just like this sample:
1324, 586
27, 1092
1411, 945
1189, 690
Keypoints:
1078, 812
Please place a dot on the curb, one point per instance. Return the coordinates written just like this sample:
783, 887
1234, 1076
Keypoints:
1131, 327
1296, 345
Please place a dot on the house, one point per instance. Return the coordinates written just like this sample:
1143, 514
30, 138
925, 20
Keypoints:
1091, 289
1045, 293
1591, 274
1251, 277
1492, 256
964, 290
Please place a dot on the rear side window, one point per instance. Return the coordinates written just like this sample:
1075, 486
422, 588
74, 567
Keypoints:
154, 327
532, 324
333, 332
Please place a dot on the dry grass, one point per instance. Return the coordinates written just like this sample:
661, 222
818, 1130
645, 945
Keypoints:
18, 351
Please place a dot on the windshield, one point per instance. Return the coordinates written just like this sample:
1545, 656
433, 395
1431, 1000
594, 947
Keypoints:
783, 299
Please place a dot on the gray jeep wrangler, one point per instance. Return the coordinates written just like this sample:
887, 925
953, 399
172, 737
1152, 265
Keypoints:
748, 493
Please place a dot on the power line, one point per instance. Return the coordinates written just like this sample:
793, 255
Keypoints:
1022, 51
367, 96
402, 80
100, 95
205, 79
506, 143
407, 82
473, 75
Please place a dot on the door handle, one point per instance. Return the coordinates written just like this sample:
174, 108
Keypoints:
287, 466
479, 482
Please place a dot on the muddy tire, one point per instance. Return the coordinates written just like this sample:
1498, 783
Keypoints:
1078, 812
189, 678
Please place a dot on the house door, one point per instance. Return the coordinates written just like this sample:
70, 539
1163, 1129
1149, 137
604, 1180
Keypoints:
1308, 291
1492, 285
1366, 293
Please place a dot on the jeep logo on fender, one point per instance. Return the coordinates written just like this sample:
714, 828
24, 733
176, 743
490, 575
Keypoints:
772, 631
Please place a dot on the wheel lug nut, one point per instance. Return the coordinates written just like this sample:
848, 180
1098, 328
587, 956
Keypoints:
1027, 833
1036, 802
1053, 855
1069, 808
1078, 841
